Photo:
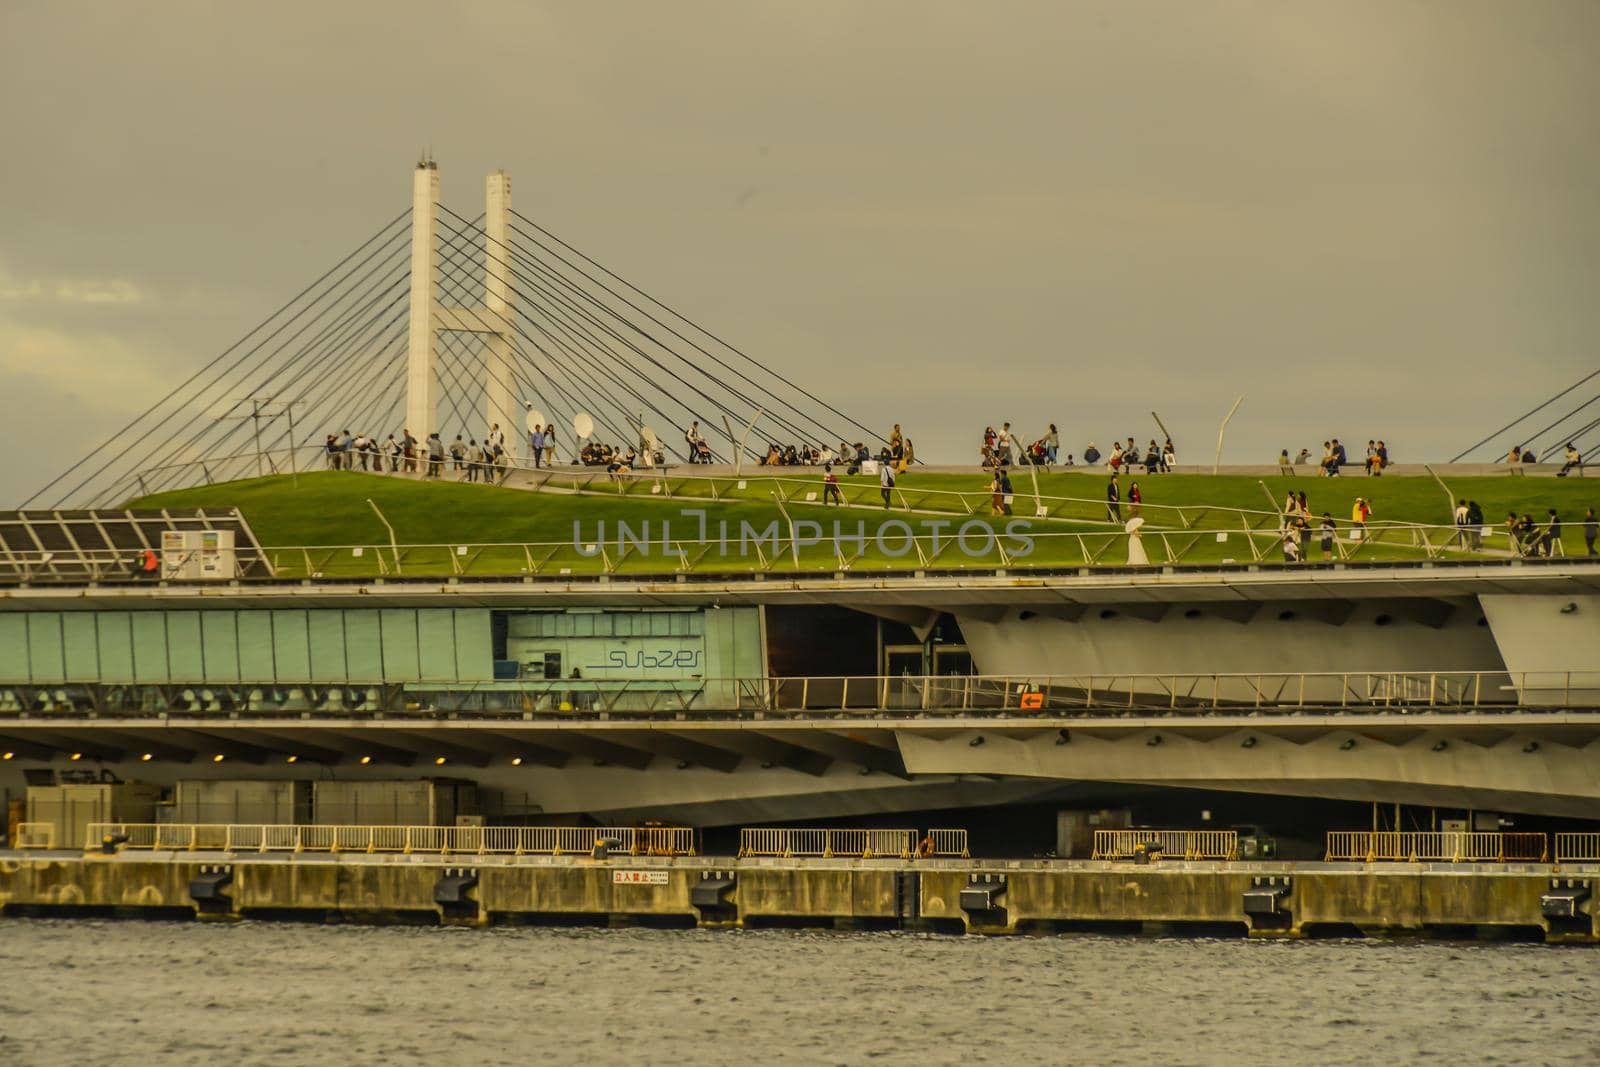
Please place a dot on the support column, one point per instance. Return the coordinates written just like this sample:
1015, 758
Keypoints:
422, 386
499, 389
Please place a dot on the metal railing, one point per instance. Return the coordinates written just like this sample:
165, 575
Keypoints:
1406, 846
865, 695
1173, 692
984, 547
35, 835
945, 843
867, 844
476, 840
1173, 844
1578, 848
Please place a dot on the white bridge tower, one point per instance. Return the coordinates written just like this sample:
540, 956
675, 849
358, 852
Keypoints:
430, 316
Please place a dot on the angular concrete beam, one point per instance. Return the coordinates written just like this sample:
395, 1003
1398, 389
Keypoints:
872, 757
769, 750
678, 747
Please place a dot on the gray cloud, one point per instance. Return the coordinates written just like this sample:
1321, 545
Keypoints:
1373, 219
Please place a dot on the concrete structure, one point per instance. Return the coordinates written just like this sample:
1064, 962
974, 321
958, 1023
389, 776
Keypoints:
1472, 687
1538, 900
429, 315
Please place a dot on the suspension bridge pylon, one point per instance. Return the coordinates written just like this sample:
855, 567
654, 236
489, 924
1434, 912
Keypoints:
429, 316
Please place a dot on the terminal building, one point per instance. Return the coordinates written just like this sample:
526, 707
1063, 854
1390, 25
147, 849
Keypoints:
158, 666
1456, 692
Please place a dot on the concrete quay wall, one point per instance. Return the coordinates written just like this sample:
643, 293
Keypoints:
1273, 900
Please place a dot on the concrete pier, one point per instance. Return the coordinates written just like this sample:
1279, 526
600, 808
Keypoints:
1552, 902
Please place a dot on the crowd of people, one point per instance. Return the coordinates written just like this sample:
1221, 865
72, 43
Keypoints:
1529, 538
489, 461
1571, 458
469, 460
1003, 448
1335, 457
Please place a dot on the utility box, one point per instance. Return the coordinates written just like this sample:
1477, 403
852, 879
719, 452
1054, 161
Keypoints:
419, 802
1075, 829
198, 554
69, 809
255, 803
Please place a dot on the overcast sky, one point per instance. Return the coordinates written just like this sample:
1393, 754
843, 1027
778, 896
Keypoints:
1371, 219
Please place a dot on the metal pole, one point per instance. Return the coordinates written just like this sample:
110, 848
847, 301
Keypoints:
738, 442
255, 422
394, 545
1215, 466
1448, 494
294, 473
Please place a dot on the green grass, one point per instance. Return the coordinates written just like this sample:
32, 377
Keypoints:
478, 529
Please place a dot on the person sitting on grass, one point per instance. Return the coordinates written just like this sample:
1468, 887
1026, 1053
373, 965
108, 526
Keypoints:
1573, 459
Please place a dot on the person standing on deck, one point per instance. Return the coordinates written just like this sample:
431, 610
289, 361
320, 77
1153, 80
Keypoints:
1113, 500
1359, 511
1591, 528
1329, 531
885, 481
536, 446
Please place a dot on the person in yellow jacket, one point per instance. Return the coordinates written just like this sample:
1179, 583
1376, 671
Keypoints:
1360, 511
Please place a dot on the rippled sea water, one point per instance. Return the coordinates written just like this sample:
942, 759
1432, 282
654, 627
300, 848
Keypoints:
88, 992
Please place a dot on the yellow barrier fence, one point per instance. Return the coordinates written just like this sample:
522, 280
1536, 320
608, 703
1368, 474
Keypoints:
763, 841
1578, 848
1175, 844
1404, 846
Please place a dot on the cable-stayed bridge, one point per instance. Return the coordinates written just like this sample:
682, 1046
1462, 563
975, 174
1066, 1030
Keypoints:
443, 323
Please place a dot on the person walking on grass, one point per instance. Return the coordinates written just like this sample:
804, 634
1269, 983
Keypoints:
1591, 528
830, 487
1005, 493
1329, 530
1135, 498
1113, 501
885, 482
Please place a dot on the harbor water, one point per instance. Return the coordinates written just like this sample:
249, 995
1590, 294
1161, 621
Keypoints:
87, 992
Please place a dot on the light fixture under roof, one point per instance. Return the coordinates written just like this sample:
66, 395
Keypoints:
365, 760
516, 761
291, 759
218, 758
147, 757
